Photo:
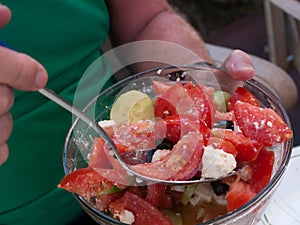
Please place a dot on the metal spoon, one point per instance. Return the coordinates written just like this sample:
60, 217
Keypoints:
140, 156
95, 126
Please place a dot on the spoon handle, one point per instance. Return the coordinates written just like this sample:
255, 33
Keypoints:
65, 104
75, 111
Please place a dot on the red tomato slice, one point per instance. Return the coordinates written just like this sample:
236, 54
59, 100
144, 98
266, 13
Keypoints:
144, 213
103, 201
139, 135
165, 104
175, 126
243, 95
157, 196
187, 99
85, 182
262, 169
225, 145
98, 157
203, 103
181, 163
239, 194
160, 87
261, 124
247, 149
117, 175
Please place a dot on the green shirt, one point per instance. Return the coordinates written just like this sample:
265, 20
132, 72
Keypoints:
65, 36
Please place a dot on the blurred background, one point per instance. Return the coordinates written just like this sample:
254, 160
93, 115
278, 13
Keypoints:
237, 24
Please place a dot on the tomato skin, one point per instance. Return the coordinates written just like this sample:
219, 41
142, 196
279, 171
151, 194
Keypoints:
181, 163
85, 182
160, 87
138, 135
98, 157
144, 212
157, 197
103, 201
187, 99
261, 124
239, 194
243, 95
225, 145
165, 104
202, 102
247, 150
175, 126
262, 168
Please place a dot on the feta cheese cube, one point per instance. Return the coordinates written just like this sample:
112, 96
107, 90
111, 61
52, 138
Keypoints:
216, 163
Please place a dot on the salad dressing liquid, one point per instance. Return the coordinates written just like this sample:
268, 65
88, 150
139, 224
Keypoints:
202, 212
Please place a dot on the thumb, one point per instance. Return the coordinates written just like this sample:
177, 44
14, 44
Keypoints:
5, 15
20, 71
239, 65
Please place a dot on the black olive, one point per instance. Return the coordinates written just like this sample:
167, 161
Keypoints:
219, 187
229, 125
93, 199
177, 75
225, 124
165, 144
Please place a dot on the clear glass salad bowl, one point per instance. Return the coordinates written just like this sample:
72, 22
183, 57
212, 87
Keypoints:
80, 138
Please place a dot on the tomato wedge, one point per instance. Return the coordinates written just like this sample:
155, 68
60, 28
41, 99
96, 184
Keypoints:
160, 87
182, 163
175, 126
144, 213
98, 157
156, 196
85, 182
203, 103
262, 169
261, 124
165, 104
247, 150
239, 194
138, 135
225, 145
243, 95
115, 173
187, 99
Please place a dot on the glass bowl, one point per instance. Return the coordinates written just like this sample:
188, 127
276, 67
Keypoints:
79, 140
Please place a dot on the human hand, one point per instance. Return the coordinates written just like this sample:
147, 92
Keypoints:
18, 71
239, 65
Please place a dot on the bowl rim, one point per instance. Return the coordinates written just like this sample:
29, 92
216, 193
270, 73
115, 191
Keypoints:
261, 196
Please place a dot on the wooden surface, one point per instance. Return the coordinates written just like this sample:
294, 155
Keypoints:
282, 23
272, 76
291, 7
276, 34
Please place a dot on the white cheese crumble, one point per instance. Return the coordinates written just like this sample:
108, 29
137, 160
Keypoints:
216, 163
178, 188
159, 154
124, 216
108, 126
202, 194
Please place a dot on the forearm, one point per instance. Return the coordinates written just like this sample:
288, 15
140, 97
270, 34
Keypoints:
171, 27
174, 41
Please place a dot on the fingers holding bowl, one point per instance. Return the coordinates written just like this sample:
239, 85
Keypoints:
5, 130
5, 15
239, 65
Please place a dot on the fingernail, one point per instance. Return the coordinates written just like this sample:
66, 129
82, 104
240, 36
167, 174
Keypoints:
41, 78
242, 66
244, 70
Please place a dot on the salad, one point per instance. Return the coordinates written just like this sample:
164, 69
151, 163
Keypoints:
195, 132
